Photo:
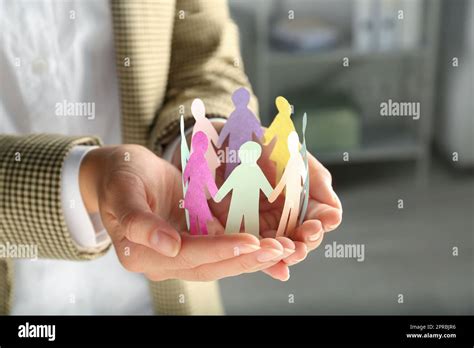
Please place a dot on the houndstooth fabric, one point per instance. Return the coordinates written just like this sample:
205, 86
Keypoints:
167, 53
30, 201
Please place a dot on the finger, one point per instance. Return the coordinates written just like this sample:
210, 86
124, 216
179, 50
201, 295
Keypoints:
271, 252
301, 251
305, 233
287, 244
329, 216
289, 247
280, 271
308, 232
315, 244
320, 183
195, 251
134, 257
199, 250
299, 241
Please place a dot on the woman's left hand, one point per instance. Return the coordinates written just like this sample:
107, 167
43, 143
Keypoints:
324, 214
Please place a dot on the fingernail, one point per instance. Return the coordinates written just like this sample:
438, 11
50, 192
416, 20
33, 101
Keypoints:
330, 227
245, 249
314, 237
287, 277
164, 244
267, 255
288, 252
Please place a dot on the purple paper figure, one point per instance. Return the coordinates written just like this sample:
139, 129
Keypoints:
204, 125
199, 179
240, 128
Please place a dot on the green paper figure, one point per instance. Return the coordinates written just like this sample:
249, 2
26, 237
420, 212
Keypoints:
246, 181
184, 161
305, 192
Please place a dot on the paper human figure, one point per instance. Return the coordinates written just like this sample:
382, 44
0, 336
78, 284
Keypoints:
199, 179
204, 125
305, 192
245, 182
292, 178
184, 161
239, 128
280, 128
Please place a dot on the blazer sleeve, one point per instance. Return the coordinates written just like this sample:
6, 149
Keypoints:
205, 63
30, 188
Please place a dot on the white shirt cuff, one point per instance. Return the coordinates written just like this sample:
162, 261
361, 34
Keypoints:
86, 230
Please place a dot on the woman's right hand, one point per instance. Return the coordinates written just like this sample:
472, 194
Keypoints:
138, 196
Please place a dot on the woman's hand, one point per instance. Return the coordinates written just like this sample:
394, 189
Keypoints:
138, 196
324, 213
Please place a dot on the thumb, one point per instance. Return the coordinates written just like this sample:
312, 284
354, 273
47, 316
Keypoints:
148, 229
126, 205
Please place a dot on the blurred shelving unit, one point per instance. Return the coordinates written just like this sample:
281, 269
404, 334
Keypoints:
275, 72
378, 145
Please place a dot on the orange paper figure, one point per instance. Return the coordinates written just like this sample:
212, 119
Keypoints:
204, 125
293, 177
280, 128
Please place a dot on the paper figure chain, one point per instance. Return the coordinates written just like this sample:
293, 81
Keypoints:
244, 179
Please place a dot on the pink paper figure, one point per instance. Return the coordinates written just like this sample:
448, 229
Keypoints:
204, 125
240, 128
293, 178
199, 178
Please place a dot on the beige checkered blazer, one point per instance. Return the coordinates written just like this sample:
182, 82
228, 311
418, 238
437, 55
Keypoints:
167, 53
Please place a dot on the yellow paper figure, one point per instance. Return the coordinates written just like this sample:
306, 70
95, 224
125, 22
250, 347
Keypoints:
280, 128
293, 178
204, 125
246, 181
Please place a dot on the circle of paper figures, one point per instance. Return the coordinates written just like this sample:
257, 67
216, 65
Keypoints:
244, 179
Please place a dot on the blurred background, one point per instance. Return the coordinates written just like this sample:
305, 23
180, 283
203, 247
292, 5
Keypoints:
406, 182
